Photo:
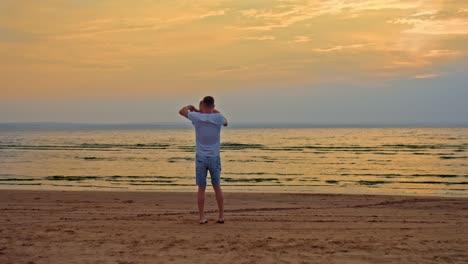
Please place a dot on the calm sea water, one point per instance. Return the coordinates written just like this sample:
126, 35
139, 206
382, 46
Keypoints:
408, 161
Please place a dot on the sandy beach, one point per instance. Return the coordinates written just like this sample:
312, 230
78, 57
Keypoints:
158, 227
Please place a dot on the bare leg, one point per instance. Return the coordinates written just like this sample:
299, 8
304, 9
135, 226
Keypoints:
201, 203
220, 200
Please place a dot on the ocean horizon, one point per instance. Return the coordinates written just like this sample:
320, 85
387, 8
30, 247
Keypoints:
241, 125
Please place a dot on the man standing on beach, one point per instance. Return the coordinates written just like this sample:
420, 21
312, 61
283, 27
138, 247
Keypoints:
207, 122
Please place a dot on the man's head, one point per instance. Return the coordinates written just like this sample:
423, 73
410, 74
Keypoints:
207, 104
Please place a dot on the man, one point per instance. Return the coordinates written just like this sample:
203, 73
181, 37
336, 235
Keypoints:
207, 122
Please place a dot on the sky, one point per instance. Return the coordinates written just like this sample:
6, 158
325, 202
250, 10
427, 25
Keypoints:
315, 62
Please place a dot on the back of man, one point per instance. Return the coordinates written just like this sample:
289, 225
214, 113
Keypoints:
207, 132
207, 122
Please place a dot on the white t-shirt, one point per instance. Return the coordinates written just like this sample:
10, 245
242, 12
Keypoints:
207, 132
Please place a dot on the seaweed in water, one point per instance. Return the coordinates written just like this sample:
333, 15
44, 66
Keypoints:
453, 157
433, 182
250, 179
71, 178
111, 178
18, 179
371, 182
175, 159
127, 146
94, 158
141, 181
239, 146
187, 148
1, 183
246, 173
436, 175
332, 181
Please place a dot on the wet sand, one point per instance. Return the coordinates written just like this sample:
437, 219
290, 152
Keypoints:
157, 227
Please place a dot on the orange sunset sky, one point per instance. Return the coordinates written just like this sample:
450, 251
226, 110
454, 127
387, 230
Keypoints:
274, 61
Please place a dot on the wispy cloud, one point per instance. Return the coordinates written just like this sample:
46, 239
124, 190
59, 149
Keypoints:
259, 38
343, 47
443, 54
301, 39
453, 26
172, 43
427, 76
122, 25
415, 63
213, 13
293, 13
223, 70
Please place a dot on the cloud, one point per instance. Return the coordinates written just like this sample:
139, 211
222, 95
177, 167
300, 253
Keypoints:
401, 65
301, 39
293, 13
103, 26
343, 47
245, 72
213, 13
427, 76
259, 38
203, 44
121, 25
443, 54
271, 14
453, 26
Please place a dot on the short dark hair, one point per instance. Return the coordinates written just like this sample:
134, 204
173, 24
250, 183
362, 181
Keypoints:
208, 101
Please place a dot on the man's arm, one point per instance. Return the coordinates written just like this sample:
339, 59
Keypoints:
186, 109
225, 120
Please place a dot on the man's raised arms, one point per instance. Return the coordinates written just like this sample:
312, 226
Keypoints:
225, 120
186, 109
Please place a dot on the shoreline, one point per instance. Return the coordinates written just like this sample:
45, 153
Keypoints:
226, 189
143, 227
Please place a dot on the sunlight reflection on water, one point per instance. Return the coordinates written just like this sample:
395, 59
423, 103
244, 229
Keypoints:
423, 161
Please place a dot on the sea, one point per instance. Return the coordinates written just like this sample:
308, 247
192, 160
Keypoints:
389, 161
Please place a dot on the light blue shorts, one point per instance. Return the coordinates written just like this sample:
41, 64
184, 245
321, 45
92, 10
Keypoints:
205, 164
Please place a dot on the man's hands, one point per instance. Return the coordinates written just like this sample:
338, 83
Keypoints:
186, 109
192, 108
